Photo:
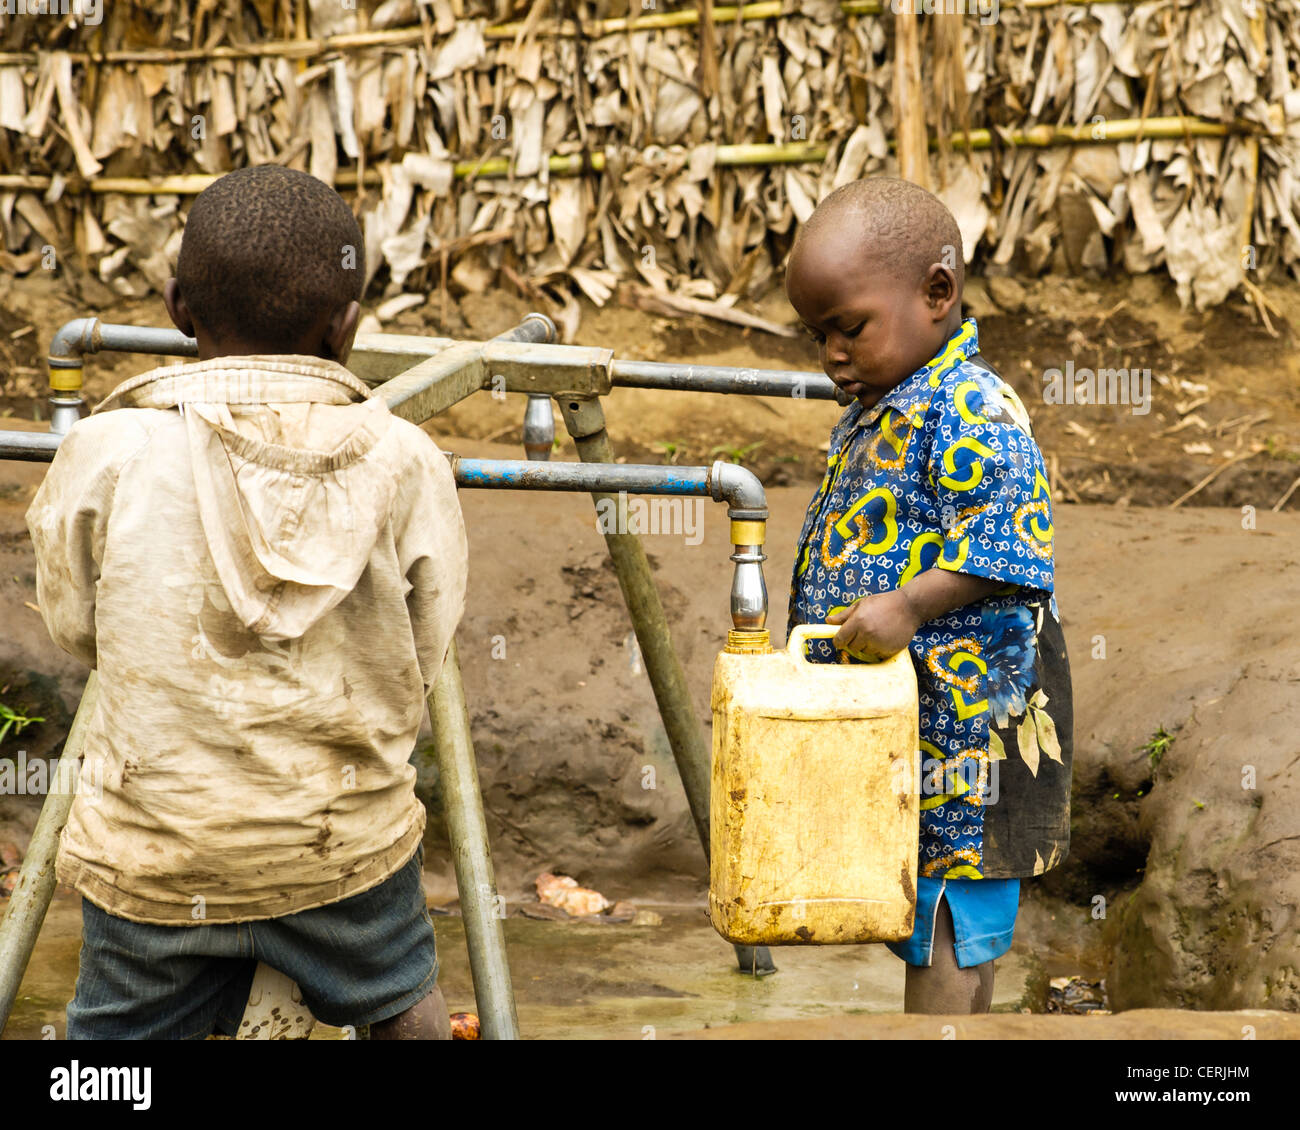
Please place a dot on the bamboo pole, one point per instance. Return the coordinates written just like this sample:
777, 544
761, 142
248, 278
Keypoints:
406, 36
728, 156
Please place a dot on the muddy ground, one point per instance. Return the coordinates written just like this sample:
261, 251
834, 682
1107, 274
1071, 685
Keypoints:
1193, 608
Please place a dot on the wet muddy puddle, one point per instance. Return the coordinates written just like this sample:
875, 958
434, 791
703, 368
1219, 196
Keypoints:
593, 980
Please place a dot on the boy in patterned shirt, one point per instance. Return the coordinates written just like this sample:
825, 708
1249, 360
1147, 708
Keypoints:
932, 531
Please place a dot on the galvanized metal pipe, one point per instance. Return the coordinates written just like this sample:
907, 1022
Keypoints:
739, 487
536, 327
675, 377
32, 447
471, 854
539, 422
74, 339
631, 478
539, 428
466, 823
89, 335
31, 897
723, 482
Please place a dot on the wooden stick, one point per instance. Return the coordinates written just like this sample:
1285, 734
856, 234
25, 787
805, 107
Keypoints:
659, 302
1065, 484
909, 101
526, 287
464, 243
1262, 304
1214, 475
1281, 502
443, 256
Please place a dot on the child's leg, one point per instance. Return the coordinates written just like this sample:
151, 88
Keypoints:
942, 988
426, 1020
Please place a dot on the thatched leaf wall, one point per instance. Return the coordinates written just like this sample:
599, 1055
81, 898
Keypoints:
492, 140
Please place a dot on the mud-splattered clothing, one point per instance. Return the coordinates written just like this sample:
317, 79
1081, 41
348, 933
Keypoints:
943, 472
266, 567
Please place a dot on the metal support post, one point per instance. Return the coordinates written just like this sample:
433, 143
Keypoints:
462, 804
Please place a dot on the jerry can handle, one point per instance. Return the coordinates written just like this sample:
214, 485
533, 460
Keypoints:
800, 634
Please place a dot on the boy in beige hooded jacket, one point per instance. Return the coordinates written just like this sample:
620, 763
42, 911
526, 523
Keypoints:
266, 568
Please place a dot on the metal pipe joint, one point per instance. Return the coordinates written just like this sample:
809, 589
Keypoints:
747, 508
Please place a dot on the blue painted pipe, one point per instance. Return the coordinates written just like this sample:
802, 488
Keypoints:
721, 482
517, 474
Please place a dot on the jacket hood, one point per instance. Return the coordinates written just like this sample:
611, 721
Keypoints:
292, 476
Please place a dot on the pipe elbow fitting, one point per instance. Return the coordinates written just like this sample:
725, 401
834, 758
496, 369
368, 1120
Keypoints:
71, 341
740, 488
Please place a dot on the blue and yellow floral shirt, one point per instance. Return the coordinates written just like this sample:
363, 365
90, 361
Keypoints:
943, 472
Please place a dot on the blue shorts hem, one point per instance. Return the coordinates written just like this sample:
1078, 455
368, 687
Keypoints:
976, 951
983, 916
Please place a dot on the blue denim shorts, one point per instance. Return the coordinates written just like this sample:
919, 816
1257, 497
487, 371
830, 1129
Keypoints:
357, 961
983, 919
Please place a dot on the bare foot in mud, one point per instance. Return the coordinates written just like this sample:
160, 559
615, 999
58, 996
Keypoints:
426, 1020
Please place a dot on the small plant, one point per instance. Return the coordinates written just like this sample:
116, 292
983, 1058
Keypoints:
1275, 450
670, 449
736, 454
12, 719
1157, 747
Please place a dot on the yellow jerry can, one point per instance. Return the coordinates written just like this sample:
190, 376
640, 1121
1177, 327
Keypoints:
814, 807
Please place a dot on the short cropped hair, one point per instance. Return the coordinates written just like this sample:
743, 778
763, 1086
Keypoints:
266, 251
910, 226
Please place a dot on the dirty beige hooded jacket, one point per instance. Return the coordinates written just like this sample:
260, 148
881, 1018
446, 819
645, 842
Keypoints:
266, 567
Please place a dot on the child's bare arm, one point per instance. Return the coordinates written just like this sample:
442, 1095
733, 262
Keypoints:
881, 624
